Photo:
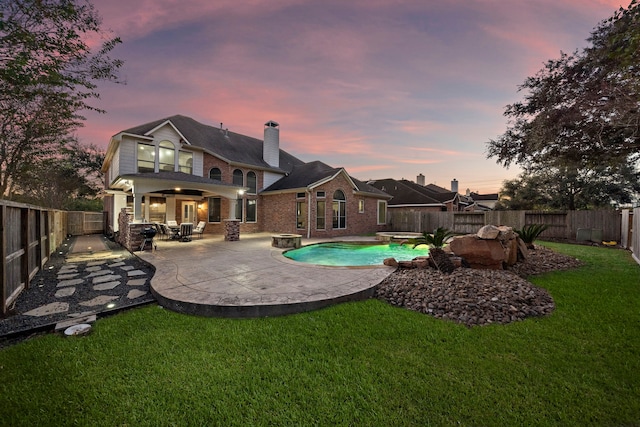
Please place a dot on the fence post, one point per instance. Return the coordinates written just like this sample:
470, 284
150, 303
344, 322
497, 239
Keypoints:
3, 254
24, 244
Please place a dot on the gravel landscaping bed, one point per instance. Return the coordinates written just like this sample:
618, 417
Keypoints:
44, 286
477, 297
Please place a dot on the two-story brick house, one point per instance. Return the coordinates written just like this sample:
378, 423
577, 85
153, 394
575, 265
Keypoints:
179, 169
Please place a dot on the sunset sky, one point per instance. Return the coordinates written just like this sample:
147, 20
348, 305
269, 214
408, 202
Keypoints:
386, 89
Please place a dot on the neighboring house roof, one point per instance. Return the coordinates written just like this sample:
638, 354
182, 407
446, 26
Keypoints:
310, 175
489, 197
405, 193
230, 146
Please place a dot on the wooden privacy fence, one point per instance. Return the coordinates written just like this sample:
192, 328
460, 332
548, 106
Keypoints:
601, 224
29, 235
81, 223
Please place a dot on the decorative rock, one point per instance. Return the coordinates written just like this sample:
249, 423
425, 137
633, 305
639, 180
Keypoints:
422, 262
391, 262
136, 282
488, 232
484, 254
134, 273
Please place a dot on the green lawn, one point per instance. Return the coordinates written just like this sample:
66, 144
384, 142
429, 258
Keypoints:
364, 363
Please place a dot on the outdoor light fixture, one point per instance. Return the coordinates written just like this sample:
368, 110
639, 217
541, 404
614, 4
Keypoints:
240, 192
111, 305
177, 188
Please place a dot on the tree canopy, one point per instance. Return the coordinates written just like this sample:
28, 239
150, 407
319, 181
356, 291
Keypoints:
581, 107
581, 112
53, 53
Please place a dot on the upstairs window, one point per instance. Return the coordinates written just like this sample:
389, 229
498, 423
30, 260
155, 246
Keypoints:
146, 158
252, 182
238, 177
167, 156
185, 162
215, 173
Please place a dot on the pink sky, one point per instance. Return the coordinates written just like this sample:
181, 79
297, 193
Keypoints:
386, 89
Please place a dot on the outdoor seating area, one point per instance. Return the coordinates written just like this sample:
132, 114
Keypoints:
179, 232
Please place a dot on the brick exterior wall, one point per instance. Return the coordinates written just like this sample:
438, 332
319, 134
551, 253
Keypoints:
280, 214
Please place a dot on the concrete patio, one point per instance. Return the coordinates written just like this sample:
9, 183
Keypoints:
249, 278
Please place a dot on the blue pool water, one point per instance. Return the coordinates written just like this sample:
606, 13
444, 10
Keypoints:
354, 254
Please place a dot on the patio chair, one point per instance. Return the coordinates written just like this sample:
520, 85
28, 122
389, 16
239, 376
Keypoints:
199, 228
172, 223
186, 231
164, 231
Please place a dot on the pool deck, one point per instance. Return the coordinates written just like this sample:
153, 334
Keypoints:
249, 278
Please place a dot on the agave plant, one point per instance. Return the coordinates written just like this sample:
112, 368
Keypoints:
530, 233
436, 240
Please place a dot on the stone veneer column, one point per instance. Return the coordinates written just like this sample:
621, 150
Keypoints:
231, 230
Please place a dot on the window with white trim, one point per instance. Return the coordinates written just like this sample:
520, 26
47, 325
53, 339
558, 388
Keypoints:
339, 210
382, 212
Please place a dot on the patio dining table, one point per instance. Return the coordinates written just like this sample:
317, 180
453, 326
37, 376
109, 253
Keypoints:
175, 231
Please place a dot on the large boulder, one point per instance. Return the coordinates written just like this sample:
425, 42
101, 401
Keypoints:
479, 253
488, 232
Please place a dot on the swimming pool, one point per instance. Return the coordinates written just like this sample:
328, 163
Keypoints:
349, 254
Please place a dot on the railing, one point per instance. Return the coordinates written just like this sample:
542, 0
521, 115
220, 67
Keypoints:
29, 235
562, 225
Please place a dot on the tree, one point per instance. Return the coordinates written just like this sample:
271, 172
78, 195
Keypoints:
581, 112
49, 71
566, 188
68, 180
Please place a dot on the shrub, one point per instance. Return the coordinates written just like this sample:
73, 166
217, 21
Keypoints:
530, 233
435, 240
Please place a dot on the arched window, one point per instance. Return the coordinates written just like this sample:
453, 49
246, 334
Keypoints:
215, 173
167, 161
252, 182
339, 210
238, 177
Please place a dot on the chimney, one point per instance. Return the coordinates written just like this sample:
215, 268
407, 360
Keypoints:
420, 179
271, 144
454, 185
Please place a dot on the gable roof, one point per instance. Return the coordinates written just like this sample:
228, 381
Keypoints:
405, 192
230, 146
310, 175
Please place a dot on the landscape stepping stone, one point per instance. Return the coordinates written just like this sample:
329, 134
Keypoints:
65, 292
71, 282
101, 300
100, 273
127, 267
106, 286
67, 276
94, 263
136, 293
52, 308
96, 268
67, 323
102, 279
81, 314
117, 264
136, 282
136, 273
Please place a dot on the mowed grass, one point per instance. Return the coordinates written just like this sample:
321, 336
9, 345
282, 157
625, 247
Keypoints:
364, 363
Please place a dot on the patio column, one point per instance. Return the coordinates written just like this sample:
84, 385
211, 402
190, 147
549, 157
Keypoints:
137, 206
233, 204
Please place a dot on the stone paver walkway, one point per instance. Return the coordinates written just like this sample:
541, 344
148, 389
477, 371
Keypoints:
93, 280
